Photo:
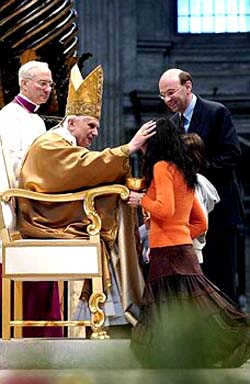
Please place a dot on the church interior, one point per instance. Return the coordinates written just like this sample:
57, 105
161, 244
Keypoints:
135, 41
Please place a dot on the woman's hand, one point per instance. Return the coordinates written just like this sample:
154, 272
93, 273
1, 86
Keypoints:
135, 198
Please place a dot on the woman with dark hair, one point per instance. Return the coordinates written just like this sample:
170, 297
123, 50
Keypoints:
186, 321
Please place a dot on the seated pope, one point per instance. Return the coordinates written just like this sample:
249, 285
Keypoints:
61, 161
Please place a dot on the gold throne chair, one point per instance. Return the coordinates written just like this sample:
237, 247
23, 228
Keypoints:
66, 260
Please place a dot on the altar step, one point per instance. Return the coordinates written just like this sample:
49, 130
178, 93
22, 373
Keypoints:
66, 354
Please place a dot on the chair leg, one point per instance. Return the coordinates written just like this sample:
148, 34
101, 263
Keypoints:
61, 297
18, 307
6, 305
97, 314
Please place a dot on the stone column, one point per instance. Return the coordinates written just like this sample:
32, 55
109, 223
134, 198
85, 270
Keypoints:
99, 34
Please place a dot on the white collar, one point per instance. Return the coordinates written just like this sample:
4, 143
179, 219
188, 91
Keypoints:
64, 132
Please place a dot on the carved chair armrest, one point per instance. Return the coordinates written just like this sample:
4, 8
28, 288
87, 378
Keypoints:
87, 196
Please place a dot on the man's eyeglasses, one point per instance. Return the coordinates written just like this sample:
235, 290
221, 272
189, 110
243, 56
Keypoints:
169, 93
43, 83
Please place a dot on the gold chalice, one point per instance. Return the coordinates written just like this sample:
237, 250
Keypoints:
135, 183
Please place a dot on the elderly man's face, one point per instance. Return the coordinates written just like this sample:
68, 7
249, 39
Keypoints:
38, 87
84, 128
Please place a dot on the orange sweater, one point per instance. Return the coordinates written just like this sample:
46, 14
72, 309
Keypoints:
176, 214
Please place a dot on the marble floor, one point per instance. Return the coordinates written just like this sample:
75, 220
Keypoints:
39, 361
128, 376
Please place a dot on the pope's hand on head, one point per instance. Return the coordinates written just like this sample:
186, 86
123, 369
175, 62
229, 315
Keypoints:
142, 135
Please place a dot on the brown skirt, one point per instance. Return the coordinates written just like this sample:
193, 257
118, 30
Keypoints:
186, 321
169, 261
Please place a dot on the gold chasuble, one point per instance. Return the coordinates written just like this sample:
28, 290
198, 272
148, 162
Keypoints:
54, 164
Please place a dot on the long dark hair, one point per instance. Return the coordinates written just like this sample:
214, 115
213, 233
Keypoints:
167, 145
196, 150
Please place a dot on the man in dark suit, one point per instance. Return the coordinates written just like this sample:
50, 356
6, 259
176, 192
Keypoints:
212, 121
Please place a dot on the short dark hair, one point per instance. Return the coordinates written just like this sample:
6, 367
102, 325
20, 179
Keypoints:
184, 77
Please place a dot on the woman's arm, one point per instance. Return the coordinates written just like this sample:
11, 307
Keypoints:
197, 222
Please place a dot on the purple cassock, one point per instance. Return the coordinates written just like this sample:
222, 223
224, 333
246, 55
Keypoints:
40, 302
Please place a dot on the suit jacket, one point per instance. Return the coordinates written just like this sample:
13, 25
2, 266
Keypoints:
213, 123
